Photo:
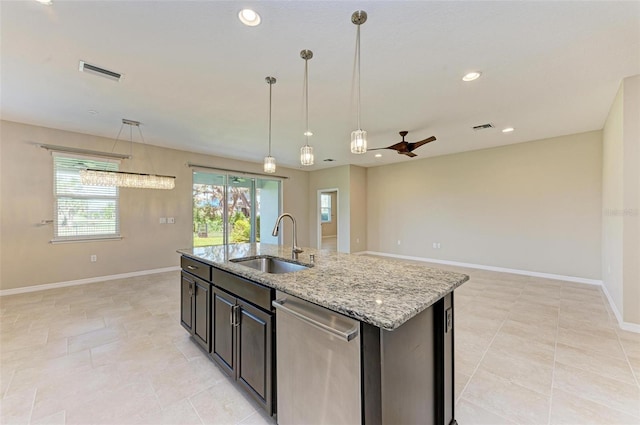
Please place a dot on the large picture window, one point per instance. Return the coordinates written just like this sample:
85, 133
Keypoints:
83, 212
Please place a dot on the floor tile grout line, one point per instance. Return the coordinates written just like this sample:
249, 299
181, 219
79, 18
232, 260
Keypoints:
33, 405
487, 409
626, 357
592, 400
486, 350
553, 371
195, 410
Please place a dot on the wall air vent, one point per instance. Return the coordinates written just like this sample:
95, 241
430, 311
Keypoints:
96, 70
483, 126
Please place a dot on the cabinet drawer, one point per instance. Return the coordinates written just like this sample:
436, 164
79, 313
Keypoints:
196, 268
242, 288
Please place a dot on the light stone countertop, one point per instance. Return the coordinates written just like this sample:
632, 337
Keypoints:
374, 290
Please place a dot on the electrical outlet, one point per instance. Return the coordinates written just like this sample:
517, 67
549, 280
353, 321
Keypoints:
171, 220
435, 245
438, 245
163, 220
94, 258
398, 241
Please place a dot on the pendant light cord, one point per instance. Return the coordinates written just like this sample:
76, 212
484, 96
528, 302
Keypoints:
306, 96
270, 87
358, 66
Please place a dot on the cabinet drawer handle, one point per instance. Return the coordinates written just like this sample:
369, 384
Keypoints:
192, 267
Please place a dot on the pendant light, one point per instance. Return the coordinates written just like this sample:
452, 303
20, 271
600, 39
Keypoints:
359, 136
93, 177
269, 161
306, 152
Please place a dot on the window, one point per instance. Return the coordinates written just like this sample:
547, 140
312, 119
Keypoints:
325, 207
83, 212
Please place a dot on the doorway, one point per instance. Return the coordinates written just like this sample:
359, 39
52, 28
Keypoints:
328, 219
228, 208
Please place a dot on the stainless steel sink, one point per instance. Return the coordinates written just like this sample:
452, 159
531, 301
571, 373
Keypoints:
270, 264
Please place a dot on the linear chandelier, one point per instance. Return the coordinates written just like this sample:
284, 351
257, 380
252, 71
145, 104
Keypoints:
94, 177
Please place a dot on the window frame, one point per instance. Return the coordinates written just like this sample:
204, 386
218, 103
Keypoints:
58, 195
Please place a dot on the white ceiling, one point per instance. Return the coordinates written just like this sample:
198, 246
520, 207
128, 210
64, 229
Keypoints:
194, 75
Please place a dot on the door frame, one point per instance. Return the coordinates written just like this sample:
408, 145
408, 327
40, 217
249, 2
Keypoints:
319, 217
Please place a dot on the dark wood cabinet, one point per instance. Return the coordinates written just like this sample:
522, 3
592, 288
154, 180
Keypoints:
254, 346
242, 344
223, 347
232, 318
195, 308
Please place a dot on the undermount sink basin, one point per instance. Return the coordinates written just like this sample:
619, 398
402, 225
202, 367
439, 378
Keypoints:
269, 264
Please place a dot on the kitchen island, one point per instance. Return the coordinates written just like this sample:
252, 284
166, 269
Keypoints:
404, 313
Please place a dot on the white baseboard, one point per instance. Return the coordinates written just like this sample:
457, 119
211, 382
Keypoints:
626, 326
631, 327
329, 236
46, 286
493, 268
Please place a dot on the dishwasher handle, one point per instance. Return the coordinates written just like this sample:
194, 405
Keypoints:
345, 336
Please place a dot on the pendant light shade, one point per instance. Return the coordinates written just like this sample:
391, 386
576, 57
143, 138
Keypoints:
94, 177
269, 161
359, 136
306, 152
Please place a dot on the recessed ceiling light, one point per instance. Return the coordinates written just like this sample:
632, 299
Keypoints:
45, 2
378, 155
508, 130
92, 112
249, 17
472, 76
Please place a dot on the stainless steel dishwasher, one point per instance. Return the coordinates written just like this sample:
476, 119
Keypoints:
318, 364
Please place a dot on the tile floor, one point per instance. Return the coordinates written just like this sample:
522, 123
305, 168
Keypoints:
528, 351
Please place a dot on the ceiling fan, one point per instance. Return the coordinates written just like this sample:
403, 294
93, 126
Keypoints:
407, 148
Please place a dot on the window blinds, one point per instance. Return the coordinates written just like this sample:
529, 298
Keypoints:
83, 212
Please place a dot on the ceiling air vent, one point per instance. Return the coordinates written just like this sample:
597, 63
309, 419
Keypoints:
483, 126
96, 70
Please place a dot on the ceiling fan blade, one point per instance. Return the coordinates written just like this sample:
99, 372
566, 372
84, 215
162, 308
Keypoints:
409, 154
416, 145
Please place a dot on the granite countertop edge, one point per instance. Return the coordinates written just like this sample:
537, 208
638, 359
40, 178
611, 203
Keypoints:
384, 293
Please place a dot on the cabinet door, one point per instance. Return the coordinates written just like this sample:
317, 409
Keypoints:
186, 302
254, 339
223, 350
202, 307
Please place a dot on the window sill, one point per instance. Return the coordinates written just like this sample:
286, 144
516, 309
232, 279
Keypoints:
95, 239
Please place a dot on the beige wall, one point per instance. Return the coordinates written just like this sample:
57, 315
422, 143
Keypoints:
532, 206
631, 183
621, 201
358, 208
26, 197
612, 201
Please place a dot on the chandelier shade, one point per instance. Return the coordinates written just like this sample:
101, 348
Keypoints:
93, 177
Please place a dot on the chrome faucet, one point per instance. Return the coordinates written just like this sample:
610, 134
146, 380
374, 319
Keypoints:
295, 250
